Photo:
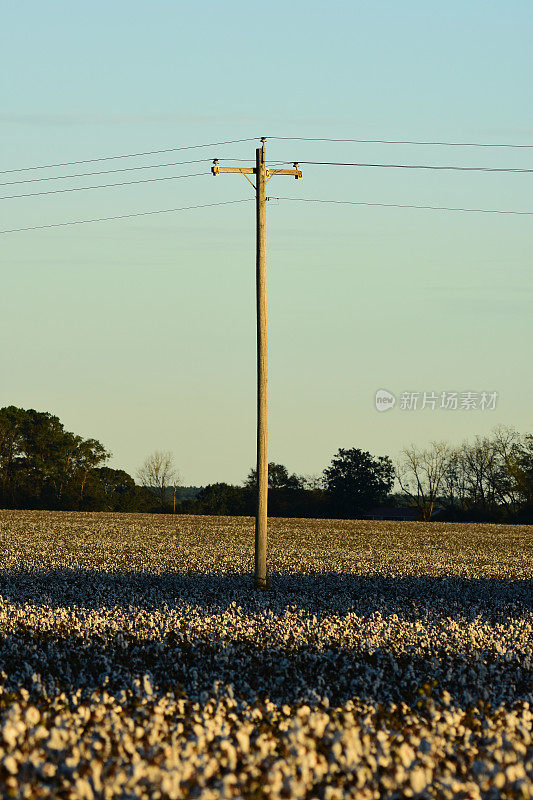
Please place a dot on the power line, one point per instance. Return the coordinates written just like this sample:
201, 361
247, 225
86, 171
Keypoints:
400, 141
125, 216
102, 186
253, 138
104, 172
122, 169
403, 205
248, 199
413, 166
128, 155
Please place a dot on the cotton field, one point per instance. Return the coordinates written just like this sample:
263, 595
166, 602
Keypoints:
387, 660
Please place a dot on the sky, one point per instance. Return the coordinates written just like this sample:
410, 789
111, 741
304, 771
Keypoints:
141, 332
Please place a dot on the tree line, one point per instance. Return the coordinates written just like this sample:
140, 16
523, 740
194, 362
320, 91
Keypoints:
44, 466
488, 479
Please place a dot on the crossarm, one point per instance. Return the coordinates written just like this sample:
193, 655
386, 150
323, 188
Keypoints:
216, 169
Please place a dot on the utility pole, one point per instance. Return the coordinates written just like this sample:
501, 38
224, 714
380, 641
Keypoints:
262, 176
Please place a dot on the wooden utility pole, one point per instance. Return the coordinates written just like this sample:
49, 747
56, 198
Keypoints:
262, 371
263, 175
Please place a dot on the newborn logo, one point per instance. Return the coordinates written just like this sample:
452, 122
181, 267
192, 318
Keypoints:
384, 400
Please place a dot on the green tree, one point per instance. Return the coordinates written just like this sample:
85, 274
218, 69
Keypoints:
356, 480
278, 478
110, 489
220, 498
42, 464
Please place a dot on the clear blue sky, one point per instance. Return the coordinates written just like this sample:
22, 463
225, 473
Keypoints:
141, 332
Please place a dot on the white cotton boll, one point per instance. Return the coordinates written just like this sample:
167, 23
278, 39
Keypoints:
32, 716
417, 779
84, 789
406, 754
10, 732
243, 740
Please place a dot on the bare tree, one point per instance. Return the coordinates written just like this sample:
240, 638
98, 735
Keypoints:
157, 473
520, 466
508, 446
421, 474
487, 468
486, 475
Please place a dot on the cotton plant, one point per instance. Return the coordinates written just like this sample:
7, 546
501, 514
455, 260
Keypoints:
386, 660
